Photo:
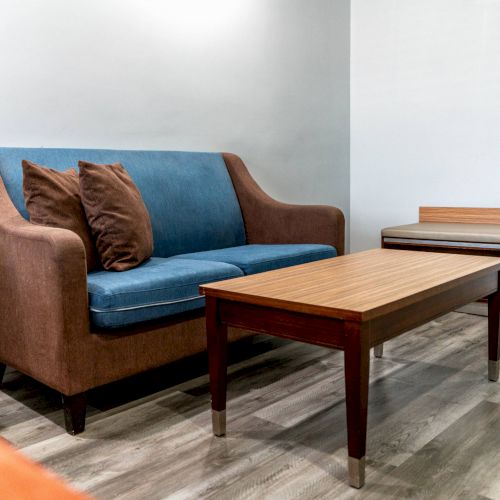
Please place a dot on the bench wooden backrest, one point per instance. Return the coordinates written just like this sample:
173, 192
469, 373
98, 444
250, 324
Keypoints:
460, 214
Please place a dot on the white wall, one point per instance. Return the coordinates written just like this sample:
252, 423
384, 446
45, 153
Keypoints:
425, 110
267, 79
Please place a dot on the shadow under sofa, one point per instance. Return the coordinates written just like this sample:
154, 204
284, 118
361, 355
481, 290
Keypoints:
74, 331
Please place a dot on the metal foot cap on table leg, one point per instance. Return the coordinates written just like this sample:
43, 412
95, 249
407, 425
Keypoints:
493, 370
356, 472
219, 422
379, 350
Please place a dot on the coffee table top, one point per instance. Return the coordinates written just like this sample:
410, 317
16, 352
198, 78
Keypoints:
359, 286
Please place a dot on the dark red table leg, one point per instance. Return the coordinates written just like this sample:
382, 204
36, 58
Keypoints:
357, 367
493, 336
217, 363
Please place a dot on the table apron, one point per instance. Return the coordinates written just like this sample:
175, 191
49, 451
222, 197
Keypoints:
329, 332
406, 318
318, 330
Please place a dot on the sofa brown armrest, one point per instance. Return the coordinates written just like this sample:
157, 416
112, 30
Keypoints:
43, 297
270, 221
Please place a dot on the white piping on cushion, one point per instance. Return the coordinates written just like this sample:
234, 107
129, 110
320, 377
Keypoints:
153, 304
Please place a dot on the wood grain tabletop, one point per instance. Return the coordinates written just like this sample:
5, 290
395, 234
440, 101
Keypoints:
359, 286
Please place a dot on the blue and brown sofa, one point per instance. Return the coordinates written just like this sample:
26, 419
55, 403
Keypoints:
74, 331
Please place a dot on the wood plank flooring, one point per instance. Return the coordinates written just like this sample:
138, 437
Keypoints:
433, 429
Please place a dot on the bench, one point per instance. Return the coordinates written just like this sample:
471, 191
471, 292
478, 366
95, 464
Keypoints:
474, 231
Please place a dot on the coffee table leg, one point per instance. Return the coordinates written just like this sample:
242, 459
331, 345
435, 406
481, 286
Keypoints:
378, 350
217, 365
357, 367
493, 336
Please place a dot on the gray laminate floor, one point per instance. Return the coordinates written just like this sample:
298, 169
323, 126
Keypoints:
433, 431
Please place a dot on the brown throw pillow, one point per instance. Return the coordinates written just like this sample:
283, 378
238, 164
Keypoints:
117, 215
53, 199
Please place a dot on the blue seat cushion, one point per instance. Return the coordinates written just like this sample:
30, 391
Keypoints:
253, 259
159, 287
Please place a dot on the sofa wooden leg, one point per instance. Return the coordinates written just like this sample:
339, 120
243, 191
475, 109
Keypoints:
75, 408
2, 372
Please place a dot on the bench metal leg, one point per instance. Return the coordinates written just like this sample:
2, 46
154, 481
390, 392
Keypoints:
379, 350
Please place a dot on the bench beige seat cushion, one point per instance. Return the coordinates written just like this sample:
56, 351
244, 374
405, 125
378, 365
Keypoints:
446, 231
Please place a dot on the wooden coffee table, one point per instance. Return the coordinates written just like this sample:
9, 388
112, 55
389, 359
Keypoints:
351, 303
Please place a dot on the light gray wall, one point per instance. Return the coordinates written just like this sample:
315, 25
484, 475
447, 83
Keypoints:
425, 110
267, 79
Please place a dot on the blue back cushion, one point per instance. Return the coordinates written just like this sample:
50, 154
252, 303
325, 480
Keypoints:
190, 196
